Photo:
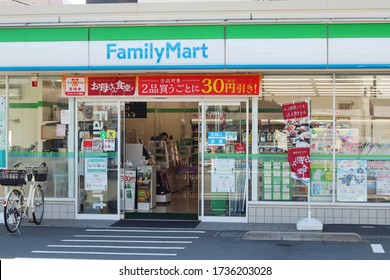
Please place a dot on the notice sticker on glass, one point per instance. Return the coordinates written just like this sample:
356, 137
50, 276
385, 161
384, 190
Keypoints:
61, 130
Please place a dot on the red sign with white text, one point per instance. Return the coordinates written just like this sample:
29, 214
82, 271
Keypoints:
104, 85
299, 159
232, 85
111, 85
295, 110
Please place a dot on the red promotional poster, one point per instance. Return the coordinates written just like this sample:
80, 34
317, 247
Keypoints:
232, 85
296, 117
296, 110
240, 148
111, 85
299, 159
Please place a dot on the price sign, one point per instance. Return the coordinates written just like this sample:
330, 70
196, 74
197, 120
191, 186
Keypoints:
232, 85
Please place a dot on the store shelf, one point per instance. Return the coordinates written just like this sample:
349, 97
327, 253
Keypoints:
164, 152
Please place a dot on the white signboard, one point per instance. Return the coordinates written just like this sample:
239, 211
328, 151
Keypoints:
223, 177
44, 55
96, 174
276, 52
156, 53
352, 180
128, 183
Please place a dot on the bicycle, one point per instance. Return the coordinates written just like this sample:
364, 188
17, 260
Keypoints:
15, 208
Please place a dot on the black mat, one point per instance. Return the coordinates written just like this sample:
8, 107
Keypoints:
156, 224
359, 229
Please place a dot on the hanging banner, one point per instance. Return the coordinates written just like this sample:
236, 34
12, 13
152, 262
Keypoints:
104, 85
299, 159
232, 85
296, 117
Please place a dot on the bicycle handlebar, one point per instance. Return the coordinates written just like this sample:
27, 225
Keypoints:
43, 164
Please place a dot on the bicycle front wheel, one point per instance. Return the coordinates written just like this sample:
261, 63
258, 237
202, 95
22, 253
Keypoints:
13, 211
38, 205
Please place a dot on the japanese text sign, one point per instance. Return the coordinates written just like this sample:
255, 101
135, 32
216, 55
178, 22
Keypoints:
111, 85
152, 85
216, 138
105, 85
295, 110
299, 159
74, 86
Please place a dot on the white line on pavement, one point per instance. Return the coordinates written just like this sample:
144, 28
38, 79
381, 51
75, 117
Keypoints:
377, 248
143, 230
127, 241
115, 247
136, 236
103, 253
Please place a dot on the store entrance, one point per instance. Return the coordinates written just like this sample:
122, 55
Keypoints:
159, 177
224, 160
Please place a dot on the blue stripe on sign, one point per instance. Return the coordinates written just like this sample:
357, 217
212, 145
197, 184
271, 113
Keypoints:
42, 68
362, 65
276, 66
159, 67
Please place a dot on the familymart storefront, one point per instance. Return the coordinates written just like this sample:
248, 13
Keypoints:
122, 168
241, 156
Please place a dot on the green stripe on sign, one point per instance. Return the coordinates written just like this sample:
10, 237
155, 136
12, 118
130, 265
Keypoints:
43, 34
34, 105
157, 32
368, 30
275, 31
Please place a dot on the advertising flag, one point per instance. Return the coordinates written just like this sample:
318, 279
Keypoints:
296, 117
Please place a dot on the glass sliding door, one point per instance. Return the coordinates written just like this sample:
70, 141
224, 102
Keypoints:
97, 127
224, 160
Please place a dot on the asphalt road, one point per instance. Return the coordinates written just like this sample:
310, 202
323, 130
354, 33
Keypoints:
163, 244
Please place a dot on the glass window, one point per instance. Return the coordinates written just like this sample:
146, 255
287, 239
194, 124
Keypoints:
2, 94
355, 128
36, 133
275, 182
362, 138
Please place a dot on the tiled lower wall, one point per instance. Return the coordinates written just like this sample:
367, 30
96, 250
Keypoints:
327, 215
272, 214
59, 210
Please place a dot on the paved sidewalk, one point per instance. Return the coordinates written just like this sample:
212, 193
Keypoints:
333, 233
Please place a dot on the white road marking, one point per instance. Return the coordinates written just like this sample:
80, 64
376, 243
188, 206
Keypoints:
104, 253
115, 247
377, 248
136, 236
143, 230
127, 241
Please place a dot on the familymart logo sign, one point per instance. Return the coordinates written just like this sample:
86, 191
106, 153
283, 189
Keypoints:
157, 54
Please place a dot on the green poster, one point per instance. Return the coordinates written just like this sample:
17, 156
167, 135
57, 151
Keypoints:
321, 177
276, 180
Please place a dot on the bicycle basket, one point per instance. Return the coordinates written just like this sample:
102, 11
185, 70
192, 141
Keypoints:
12, 177
40, 173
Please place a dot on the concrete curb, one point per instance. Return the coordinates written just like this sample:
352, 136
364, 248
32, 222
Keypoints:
302, 236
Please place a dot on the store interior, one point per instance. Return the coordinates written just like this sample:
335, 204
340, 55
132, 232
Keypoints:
160, 134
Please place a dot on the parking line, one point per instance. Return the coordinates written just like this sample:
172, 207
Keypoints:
143, 230
127, 241
136, 236
103, 253
116, 247
377, 248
